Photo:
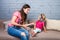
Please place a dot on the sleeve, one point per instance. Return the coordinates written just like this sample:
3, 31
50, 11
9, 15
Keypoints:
17, 14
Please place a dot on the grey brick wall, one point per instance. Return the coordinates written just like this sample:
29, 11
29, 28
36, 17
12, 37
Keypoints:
51, 8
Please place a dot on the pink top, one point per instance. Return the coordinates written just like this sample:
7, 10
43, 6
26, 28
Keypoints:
39, 24
18, 15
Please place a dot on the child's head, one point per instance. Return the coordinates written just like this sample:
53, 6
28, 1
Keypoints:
42, 16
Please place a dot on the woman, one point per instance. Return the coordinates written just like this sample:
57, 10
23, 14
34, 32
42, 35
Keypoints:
39, 25
16, 27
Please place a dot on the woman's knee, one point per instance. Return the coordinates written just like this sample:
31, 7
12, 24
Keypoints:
23, 34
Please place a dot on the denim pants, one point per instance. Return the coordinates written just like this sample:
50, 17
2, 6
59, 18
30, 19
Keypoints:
16, 32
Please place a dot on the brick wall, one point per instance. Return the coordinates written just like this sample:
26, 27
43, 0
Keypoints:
51, 8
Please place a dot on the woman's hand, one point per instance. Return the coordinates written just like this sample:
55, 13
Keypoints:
24, 26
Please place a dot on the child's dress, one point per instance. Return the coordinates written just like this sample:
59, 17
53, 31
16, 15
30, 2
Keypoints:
39, 26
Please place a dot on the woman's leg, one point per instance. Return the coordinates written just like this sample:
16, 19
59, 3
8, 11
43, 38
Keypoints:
14, 32
26, 32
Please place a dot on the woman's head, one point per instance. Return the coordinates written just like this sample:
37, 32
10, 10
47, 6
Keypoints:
24, 11
25, 8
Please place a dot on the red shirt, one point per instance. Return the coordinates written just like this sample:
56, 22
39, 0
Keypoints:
39, 24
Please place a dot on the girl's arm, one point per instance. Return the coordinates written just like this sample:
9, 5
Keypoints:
32, 23
29, 24
44, 28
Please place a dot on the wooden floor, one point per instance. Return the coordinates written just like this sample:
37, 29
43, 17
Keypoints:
50, 35
1, 25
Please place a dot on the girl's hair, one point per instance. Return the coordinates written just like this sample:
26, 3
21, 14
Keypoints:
41, 17
23, 14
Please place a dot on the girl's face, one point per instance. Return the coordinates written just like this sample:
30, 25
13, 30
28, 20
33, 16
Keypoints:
43, 16
26, 10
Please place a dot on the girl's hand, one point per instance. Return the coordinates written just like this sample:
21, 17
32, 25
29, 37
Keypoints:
30, 24
45, 31
24, 25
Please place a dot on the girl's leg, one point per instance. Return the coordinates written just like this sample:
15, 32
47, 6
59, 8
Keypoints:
26, 32
14, 32
34, 32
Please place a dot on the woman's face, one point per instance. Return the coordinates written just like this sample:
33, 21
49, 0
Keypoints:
26, 10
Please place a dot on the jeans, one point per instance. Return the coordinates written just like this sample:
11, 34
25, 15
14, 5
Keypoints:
16, 32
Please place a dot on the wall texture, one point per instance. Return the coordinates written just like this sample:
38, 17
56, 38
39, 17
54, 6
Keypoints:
51, 8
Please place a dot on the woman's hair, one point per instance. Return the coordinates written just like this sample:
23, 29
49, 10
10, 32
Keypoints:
23, 14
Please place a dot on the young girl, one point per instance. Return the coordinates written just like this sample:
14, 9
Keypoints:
39, 25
